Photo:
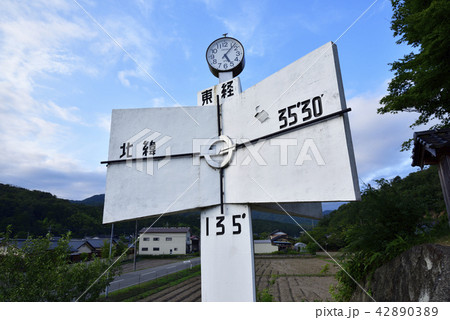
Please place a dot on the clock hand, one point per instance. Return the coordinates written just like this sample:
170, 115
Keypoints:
225, 55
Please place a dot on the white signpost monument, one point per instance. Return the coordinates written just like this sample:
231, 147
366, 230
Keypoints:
283, 145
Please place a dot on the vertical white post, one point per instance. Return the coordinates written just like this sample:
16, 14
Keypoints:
227, 261
225, 76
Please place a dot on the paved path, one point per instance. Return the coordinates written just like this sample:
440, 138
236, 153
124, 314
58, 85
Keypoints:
140, 276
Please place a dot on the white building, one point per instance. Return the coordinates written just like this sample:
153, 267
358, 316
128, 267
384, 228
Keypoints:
156, 241
264, 246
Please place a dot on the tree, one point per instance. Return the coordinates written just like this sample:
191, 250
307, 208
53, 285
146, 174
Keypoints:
37, 272
121, 246
422, 78
390, 218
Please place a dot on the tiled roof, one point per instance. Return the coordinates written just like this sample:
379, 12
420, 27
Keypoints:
74, 245
429, 146
282, 242
165, 230
98, 243
262, 241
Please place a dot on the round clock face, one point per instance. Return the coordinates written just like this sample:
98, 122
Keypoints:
225, 55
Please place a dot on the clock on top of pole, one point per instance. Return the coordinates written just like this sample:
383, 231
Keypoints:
225, 57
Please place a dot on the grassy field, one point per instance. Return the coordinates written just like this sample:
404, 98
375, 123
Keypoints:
278, 278
294, 279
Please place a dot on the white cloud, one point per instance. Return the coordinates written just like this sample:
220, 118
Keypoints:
35, 46
377, 138
104, 122
159, 102
51, 41
126, 40
67, 114
242, 23
122, 75
145, 7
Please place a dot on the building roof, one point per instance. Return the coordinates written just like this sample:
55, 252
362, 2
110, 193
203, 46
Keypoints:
165, 230
75, 244
98, 243
277, 234
282, 243
262, 241
20, 243
300, 244
429, 146
280, 237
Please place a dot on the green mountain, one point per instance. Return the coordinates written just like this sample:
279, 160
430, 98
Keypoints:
36, 213
97, 200
283, 218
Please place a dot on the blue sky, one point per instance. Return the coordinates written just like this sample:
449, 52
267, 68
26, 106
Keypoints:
62, 74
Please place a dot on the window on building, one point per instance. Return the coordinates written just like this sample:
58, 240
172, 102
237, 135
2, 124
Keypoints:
155, 249
146, 239
156, 239
168, 238
144, 249
175, 249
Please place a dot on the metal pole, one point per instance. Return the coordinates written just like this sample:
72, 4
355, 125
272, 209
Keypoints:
135, 246
110, 250
110, 240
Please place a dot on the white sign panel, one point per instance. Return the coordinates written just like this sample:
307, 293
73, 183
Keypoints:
284, 140
305, 151
306, 90
151, 169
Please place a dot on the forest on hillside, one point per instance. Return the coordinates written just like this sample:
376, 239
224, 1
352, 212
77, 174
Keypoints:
36, 213
392, 209
392, 217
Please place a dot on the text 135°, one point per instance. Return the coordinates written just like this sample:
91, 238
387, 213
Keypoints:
218, 226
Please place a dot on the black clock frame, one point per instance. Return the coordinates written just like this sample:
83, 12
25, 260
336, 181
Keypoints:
236, 69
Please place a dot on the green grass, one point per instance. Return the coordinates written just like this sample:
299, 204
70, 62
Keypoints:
275, 276
264, 296
443, 240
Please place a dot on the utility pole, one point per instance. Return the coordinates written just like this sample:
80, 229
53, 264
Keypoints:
135, 246
110, 251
